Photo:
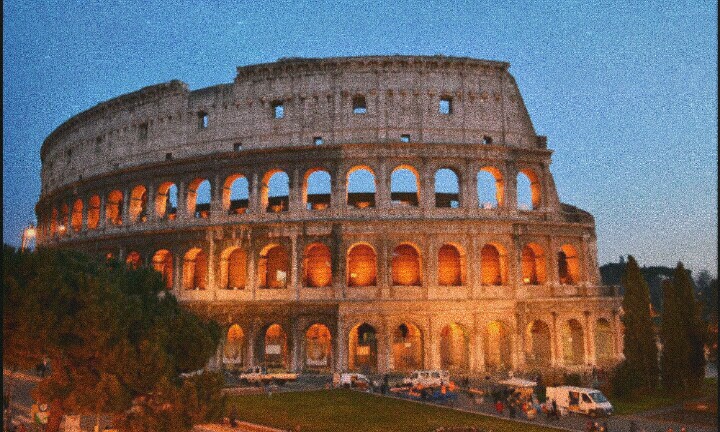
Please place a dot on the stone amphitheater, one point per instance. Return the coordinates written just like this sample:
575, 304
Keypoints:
339, 214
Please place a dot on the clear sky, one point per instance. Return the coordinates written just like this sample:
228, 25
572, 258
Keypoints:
626, 92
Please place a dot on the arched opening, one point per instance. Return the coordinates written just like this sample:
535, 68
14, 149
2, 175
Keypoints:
407, 348
537, 344
317, 190
490, 188
77, 211
162, 262
234, 350
195, 269
133, 260
64, 219
275, 191
447, 188
363, 348
533, 264
93, 214
317, 266
361, 266
273, 267
233, 271
573, 343
404, 186
492, 268
318, 347
359, 104
361, 187
454, 348
166, 201
603, 342
138, 204
235, 195
113, 208
498, 346
406, 266
528, 190
53, 221
451, 266
198, 198
276, 348
568, 265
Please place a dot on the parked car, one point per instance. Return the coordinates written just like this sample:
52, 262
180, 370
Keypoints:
354, 380
428, 378
580, 400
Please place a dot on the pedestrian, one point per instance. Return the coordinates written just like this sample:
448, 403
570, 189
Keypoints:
511, 408
555, 410
499, 407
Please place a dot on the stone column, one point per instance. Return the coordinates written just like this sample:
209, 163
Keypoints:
477, 356
385, 360
468, 187
102, 218
211, 263
250, 361
125, 208
382, 180
589, 340
254, 205
556, 357
427, 189
295, 203
177, 274
295, 362
518, 341
216, 209
182, 211
338, 201
150, 206
252, 267
510, 190
341, 360
84, 217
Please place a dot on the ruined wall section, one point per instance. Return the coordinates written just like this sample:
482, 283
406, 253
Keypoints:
402, 95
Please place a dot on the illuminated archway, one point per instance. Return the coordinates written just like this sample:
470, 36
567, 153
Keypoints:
273, 267
490, 188
162, 262
54, 221
454, 347
234, 350
568, 265
407, 348
451, 266
537, 344
317, 189
533, 265
573, 343
198, 198
317, 266
361, 266
275, 191
318, 347
528, 190
93, 214
405, 186
233, 268
77, 211
361, 187
406, 265
138, 204
113, 208
195, 269
498, 346
133, 260
604, 352
275, 348
166, 201
235, 194
447, 188
492, 268
362, 348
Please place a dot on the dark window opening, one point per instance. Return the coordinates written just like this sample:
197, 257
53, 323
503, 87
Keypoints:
278, 110
237, 146
168, 156
446, 106
487, 140
318, 140
68, 152
203, 120
142, 131
359, 105
405, 138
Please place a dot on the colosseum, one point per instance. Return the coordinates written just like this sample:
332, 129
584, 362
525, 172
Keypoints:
337, 214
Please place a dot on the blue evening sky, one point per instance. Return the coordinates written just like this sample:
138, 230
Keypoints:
626, 92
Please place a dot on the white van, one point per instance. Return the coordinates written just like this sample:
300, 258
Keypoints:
579, 399
428, 378
354, 380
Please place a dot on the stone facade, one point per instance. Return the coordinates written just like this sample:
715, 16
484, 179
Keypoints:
334, 273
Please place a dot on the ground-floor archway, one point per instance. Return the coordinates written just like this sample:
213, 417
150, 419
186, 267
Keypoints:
407, 348
454, 347
363, 348
275, 348
537, 344
573, 343
498, 346
234, 350
318, 347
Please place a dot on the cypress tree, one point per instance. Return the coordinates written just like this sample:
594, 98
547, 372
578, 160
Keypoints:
675, 357
692, 327
639, 338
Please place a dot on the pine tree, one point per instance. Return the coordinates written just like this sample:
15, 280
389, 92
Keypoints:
675, 357
639, 339
693, 327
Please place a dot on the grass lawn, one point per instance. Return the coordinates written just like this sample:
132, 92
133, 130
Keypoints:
658, 399
348, 410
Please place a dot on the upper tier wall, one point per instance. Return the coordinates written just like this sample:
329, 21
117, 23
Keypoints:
402, 97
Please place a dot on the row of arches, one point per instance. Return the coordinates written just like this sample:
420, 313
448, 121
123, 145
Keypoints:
273, 266
407, 346
274, 196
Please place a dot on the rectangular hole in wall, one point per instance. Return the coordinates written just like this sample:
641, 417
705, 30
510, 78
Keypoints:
237, 146
168, 156
445, 106
405, 138
278, 110
318, 141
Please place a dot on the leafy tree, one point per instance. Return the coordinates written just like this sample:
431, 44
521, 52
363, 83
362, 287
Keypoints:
692, 325
639, 339
111, 333
675, 350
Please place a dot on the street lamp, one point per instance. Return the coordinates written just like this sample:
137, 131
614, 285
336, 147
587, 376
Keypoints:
28, 233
